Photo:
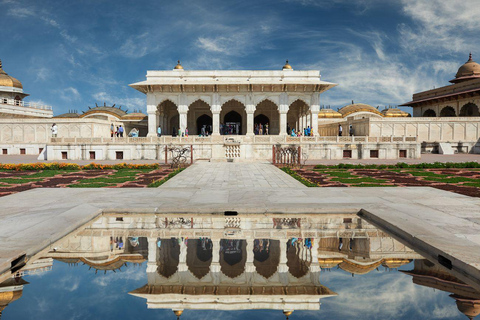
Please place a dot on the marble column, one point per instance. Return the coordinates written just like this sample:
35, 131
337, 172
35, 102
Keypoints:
216, 107
250, 119
282, 265
152, 255
182, 112
182, 261
152, 115
283, 110
215, 264
314, 110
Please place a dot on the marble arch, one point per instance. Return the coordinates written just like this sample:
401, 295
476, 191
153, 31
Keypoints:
299, 115
448, 111
269, 109
167, 116
197, 109
469, 110
237, 107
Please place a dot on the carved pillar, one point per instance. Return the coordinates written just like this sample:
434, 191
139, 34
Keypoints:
152, 255
152, 115
250, 108
283, 110
282, 265
314, 109
215, 265
182, 261
216, 107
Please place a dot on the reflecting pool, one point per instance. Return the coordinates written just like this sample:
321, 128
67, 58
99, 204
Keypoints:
162, 266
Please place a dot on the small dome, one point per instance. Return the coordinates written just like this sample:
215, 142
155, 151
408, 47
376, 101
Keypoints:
395, 112
358, 107
134, 116
467, 306
470, 70
8, 81
329, 113
178, 66
287, 66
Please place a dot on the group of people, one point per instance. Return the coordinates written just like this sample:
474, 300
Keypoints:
230, 128
307, 132
116, 131
306, 242
340, 130
261, 129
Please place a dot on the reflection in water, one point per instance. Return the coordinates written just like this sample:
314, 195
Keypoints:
241, 263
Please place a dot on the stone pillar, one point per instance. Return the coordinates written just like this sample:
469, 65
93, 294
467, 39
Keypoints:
182, 261
250, 108
249, 266
315, 266
283, 110
314, 109
216, 107
215, 265
152, 255
152, 115
282, 265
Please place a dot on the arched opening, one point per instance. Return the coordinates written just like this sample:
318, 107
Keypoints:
469, 110
168, 117
232, 257
233, 118
204, 121
298, 116
199, 257
429, 113
233, 123
266, 255
299, 257
168, 256
199, 115
266, 113
447, 112
261, 124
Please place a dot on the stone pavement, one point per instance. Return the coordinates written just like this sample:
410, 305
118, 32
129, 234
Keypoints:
221, 175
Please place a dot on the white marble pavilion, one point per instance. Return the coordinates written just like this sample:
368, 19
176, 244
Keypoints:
237, 98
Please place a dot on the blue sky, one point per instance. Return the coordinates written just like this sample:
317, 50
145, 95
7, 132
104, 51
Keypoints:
73, 54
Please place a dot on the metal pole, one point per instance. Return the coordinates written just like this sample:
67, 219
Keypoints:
191, 154
166, 155
299, 154
273, 154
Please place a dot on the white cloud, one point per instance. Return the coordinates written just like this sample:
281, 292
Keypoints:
139, 46
69, 94
129, 103
235, 44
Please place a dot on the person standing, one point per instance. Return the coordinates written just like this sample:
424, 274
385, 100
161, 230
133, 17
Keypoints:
186, 132
309, 131
340, 129
112, 130
266, 129
54, 130
350, 130
159, 131
174, 132
117, 132
179, 132
120, 130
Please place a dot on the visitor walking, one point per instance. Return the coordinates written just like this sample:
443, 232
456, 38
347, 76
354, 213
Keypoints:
117, 133
159, 131
266, 129
174, 132
350, 130
186, 132
179, 132
120, 130
202, 131
340, 129
112, 130
54, 130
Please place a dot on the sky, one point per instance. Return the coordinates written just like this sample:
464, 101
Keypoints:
73, 54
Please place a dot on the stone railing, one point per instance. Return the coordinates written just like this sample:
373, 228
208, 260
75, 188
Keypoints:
25, 104
273, 139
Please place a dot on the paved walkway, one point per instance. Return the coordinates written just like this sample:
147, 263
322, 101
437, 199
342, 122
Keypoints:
221, 175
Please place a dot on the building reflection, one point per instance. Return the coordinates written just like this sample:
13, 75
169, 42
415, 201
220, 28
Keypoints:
237, 263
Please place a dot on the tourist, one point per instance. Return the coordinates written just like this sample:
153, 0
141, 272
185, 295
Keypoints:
186, 132
340, 129
54, 130
288, 127
179, 132
174, 132
350, 130
293, 133
202, 131
112, 130
159, 131
117, 133
266, 128
260, 129
309, 131
120, 130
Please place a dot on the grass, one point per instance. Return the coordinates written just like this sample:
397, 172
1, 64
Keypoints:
92, 185
372, 185
120, 176
451, 179
359, 180
159, 182
18, 181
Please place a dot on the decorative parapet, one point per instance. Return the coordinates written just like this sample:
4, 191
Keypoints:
20, 103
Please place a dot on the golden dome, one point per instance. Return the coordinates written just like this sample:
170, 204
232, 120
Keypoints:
8, 81
467, 71
178, 66
178, 313
329, 113
355, 267
395, 263
134, 116
327, 263
358, 107
394, 112
287, 66
287, 313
